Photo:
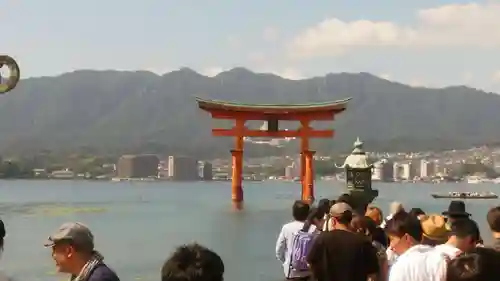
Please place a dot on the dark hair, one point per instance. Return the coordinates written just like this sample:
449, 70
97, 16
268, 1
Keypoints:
493, 218
193, 263
332, 202
363, 224
324, 205
479, 264
345, 198
415, 212
345, 218
402, 223
464, 228
2, 234
315, 213
300, 210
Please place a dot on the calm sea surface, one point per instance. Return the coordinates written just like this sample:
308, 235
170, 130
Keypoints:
138, 224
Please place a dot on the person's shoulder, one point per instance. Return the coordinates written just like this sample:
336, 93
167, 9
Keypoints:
292, 225
349, 237
103, 273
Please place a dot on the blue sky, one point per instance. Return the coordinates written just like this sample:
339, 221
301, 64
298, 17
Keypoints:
428, 43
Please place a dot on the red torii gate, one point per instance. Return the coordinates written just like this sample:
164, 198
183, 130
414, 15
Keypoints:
273, 113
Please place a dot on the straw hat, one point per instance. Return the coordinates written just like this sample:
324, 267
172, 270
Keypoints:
434, 227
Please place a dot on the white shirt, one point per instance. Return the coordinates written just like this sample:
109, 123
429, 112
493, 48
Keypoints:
391, 256
420, 263
384, 223
448, 250
284, 246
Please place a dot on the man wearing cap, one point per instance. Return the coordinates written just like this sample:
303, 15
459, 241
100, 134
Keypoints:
341, 254
73, 252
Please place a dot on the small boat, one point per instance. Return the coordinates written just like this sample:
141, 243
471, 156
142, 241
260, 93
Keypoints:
467, 195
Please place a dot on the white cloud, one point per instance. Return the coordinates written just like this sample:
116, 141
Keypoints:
385, 76
233, 42
467, 25
212, 71
270, 34
417, 82
289, 73
160, 70
256, 57
467, 77
285, 72
496, 77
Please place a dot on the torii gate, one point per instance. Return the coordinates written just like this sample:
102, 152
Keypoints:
273, 113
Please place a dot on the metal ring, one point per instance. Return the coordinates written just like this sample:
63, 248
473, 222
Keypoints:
14, 77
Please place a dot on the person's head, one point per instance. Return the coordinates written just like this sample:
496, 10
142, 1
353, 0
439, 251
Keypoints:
324, 205
456, 211
464, 234
375, 214
344, 198
434, 230
300, 210
341, 215
417, 212
316, 217
493, 219
332, 202
396, 207
193, 263
364, 225
479, 264
404, 231
72, 246
2, 234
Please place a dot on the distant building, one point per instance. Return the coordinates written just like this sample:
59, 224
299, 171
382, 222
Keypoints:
427, 169
409, 171
62, 174
383, 171
183, 168
397, 170
289, 172
138, 166
206, 171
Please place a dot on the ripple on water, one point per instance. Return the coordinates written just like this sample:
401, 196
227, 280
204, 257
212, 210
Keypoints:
56, 209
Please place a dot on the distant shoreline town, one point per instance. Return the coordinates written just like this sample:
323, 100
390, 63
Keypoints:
475, 165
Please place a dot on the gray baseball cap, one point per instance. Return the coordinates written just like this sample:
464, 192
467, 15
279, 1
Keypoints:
339, 209
75, 233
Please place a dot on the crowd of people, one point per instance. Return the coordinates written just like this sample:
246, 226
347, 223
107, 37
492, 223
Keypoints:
329, 242
334, 241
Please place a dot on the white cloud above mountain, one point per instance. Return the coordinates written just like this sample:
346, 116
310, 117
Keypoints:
496, 77
270, 34
449, 26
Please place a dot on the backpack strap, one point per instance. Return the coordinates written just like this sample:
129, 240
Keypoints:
295, 239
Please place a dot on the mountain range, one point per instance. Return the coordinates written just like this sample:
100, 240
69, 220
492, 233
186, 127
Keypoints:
132, 112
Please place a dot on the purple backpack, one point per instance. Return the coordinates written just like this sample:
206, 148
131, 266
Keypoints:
301, 245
